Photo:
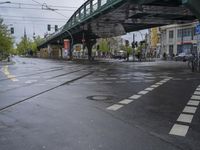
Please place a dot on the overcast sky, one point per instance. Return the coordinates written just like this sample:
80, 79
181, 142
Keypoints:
35, 19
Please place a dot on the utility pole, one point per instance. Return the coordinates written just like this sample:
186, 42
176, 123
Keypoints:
133, 46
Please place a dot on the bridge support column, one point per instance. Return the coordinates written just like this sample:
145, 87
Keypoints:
89, 44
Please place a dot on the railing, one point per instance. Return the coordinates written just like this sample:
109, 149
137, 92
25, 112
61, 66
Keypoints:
87, 10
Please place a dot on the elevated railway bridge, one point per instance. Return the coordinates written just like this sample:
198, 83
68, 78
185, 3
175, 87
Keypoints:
107, 18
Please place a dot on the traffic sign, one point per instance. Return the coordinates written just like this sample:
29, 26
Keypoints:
198, 29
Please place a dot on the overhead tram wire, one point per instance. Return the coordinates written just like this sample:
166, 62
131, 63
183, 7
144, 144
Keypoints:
40, 20
34, 8
48, 8
9, 16
28, 4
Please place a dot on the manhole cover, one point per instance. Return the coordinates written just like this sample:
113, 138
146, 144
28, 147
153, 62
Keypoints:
100, 97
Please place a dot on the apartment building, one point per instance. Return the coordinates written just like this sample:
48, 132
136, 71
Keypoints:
175, 39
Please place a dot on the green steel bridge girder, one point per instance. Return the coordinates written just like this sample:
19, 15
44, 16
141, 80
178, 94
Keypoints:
90, 11
193, 5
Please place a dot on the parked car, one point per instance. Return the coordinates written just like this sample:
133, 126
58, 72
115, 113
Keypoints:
120, 55
183, 57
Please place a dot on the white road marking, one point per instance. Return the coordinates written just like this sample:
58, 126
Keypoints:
149, 89
159, 83
143, 92
155, 86
126, 101
163, 81
198, 89
197, 93
185, 118
195, 97
193, 103
115, 107
179, 130
189, 109
135, 96
150, 77
30, 81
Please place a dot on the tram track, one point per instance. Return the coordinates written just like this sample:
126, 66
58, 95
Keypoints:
45, 91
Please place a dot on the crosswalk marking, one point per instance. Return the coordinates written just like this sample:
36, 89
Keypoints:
115, 107
190, 109
126, 101
193, 103
179, 130
186, 118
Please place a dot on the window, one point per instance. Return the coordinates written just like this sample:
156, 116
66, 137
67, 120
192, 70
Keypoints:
171, 34
185, 32
171, 50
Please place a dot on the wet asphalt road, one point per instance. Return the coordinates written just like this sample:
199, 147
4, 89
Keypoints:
59, 105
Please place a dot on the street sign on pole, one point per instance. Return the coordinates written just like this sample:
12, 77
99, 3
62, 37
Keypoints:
198, 29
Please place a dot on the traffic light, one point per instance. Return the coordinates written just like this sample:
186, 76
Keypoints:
12, 30
49, 27
56, 28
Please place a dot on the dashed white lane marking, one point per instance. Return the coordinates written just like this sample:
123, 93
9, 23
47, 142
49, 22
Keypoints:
185, 118
126, 101
198, 89
195, 97
155, 86
190, 109
115, 107
143, 92
197, 93
179, 130
149, 89
135, 96
159, 83
193, 103
163, 81
30, 81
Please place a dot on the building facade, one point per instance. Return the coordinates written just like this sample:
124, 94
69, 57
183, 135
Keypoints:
176, 39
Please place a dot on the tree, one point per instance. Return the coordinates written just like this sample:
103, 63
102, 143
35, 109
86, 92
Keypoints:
103, 45
24, 46
6, 41
28, 46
